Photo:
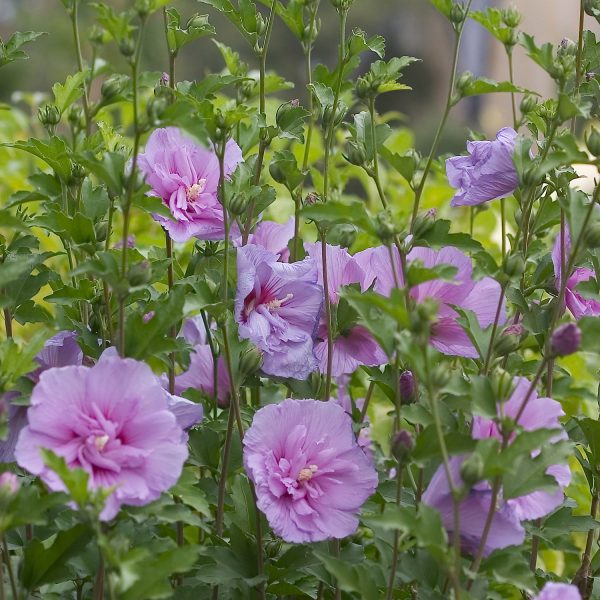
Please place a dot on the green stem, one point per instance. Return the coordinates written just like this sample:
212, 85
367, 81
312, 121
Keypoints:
509, 54
328, 322
85, 99
9, 569
579, 56
442, 124
490, 349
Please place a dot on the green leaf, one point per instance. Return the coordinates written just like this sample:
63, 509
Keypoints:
290, 120
11, 51
53, 152
69, 92
483, 85
439, 236
444, 6
243, 16
109, 169
178, 37
332, 212
46, 562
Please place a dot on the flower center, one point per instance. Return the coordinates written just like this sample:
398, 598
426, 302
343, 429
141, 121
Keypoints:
307, 473
276, 302
195, 190
100, 441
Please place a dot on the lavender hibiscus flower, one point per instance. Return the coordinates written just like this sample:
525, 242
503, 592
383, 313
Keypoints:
310, 475
277, 307
482, 297
274, 237
558, 591
578, 305
120, 430
186, 177
487, 173
356, 346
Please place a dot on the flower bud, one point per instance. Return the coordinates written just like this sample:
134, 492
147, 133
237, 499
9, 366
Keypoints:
407, 386
385, 226
238, 204
471, 470
148, 316
514, 265
101, 230
528, 104
510, 38
164, 79
355, 154
590, 75
565, 340
592, 236
156, 107
272, 548
112, 86
96, 35
127, 47
402, 445
347, 235
49, 115
511, 17
250, 361
9, 484
363, 88
142, 7
78, 173
567, 47
424, 222
458, 13
139, 273
509, 340
312, 198
76, 117
592, 141
463, 81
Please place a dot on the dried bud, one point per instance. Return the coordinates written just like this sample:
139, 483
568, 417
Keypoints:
471, 470
312, 198
139, 273
407, 387
9, 484
567, 47
402, 445
565, 340
49, 115
592, 141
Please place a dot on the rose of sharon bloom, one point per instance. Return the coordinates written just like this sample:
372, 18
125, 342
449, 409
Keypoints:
506, 529
277, 307
60, 350
487, 173
574, 300
558, 591
200, 373
482, 297
538, 413
119, 429
310, 475
356, 346
186, 177
274, 237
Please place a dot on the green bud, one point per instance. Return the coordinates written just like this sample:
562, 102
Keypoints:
277, 173
219, 135
592, 236
347, 235
142, 7
96, 35
139, 273
127, 47
76, 117
156, 107
272, 548
458, 13
511, 17
510, 38
567, 47
471, 470
402, 445
463, 81
424, 222
49, 115
385, 226
363, 88
528, 104
250, 361
592, 141
78, 172
261, 26
532, 176
514, 265
113, 86
101, 230
312, 198
355, 154
509, 340
238, 204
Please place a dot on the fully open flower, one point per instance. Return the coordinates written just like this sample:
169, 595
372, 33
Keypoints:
310, 475
354, 346
119, 429
538, 412
186, 177
575, 301
482, 297
274, 237
277, 307
488, 172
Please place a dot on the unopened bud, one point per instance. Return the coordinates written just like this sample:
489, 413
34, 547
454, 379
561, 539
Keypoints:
238, 204
272, 548
590, 75
402, 445
101, 230
424, 222
312, 198
528, 104
139, 273
347, 235
9, 484
363, 88
509, 340
471, 470
142, 7
385, 226
113, 86
514, 265
49, 115
511, 17
156, 107
407, 387
164, 79
565, 340
127, 47
355, 154
458, 13
250, 361
592, 141
76, 117
464, 81
148, 316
